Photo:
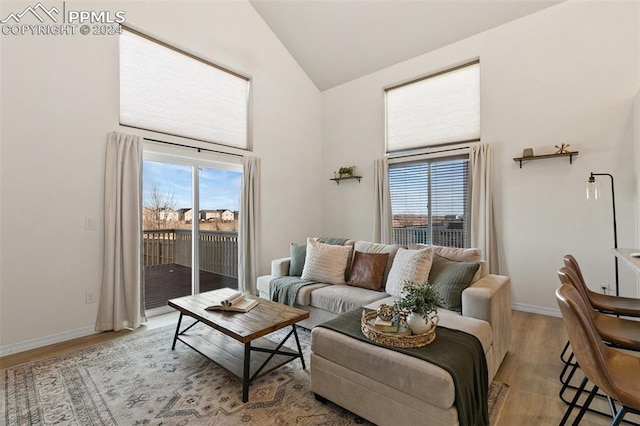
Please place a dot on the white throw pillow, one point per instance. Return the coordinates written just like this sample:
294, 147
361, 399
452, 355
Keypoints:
409, 266
325, 263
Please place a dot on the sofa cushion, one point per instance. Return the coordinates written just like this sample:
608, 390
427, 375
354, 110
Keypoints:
453, 253
369, 247
303, 298
409, 266
298, 253
367, 270
343, 298
325, 262
450, 278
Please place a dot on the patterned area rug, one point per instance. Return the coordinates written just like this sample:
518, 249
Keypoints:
139, 380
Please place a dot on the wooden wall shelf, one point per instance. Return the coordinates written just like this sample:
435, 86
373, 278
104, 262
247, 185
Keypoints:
541, 157
337, 180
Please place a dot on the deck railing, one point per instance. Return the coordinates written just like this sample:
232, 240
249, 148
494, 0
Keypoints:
218, 250
421, 235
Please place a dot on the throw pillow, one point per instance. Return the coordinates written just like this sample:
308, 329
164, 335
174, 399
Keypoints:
298, 253
369, 247
450, 278
325, 263
453, 253
367, 270
408, 266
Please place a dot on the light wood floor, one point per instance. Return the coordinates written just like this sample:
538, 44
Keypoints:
531, 368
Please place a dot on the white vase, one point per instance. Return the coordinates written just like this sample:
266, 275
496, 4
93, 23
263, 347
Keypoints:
418, 324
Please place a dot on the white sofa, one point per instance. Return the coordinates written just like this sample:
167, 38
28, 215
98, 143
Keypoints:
365, 377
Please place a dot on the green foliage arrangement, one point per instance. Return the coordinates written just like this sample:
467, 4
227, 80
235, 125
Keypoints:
346, 170
422, 299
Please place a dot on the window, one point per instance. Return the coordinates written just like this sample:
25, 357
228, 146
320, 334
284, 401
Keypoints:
430, 201
430, 194
439, 109
169, 91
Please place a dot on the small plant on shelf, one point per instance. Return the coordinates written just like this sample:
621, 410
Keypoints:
346, 171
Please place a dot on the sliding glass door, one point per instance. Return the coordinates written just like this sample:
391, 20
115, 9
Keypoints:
218, 195
190, 226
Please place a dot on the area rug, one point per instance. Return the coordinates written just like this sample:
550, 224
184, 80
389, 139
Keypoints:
139, 380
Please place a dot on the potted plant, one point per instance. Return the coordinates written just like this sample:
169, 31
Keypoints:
421, 303
346, 171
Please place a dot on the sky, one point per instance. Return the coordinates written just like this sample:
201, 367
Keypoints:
219, 189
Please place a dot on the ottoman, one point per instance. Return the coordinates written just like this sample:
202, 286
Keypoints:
382, 385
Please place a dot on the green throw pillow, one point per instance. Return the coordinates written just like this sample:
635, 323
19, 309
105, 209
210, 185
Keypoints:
298, 255
450, 278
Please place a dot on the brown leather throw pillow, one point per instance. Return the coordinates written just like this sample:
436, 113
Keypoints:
367, 270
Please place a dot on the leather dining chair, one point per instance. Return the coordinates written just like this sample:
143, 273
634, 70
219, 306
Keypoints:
614, 372
615, 331
624, 333
615, 305
625, 306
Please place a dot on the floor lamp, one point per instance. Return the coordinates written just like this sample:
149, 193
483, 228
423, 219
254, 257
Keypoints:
593, 192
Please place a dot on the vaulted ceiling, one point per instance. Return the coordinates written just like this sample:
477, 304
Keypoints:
336, 41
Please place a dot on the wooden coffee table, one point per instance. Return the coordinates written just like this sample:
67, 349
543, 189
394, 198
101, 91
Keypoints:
232, 337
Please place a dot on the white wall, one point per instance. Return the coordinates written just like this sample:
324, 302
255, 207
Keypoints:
59, 101
566, 74
636, 121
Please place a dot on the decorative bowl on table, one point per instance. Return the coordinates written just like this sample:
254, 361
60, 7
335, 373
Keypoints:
402, 339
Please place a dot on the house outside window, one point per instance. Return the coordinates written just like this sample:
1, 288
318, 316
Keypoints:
429, 123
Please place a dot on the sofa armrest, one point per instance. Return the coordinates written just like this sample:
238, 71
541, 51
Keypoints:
280, 267
489, 299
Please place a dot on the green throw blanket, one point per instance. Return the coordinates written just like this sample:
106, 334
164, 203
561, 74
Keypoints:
455, 351
284, 289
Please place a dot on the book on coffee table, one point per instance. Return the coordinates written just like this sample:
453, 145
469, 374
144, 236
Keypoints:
235, 302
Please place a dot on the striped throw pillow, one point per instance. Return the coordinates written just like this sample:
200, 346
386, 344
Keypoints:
450, 278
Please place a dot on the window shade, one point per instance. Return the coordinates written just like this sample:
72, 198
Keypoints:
441, 109
430, 201
165, 90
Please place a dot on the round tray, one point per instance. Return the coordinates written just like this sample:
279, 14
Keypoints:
388, 339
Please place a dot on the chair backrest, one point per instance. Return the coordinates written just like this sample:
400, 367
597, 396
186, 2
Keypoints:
571, 263
569, 276
586, 343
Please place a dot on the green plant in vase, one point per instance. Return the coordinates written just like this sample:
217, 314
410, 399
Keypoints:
346, 171
421, 304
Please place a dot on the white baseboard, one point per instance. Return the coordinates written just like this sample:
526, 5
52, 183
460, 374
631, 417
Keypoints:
44, 341
536, 310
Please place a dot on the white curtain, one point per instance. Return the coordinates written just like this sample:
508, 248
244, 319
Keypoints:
121, 301
382, 203
483, 230
249, 225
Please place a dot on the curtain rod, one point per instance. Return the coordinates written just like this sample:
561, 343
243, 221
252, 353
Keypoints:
193, 147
